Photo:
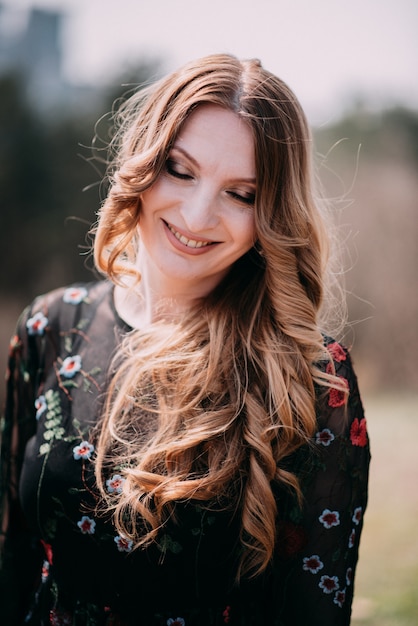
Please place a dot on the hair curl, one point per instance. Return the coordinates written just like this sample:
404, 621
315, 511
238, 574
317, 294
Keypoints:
228, 393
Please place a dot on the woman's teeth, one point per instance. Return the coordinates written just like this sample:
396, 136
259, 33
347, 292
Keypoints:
190, 243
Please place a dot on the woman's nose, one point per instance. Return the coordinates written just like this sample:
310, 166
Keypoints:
200, 209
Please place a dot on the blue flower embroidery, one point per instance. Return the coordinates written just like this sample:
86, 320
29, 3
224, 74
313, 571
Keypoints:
36, 325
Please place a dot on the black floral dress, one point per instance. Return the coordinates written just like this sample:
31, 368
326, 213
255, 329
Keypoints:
62, 563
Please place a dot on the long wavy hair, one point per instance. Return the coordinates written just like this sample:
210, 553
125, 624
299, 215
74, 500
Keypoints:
208, 408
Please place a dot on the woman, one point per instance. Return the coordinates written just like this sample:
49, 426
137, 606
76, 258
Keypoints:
190, 447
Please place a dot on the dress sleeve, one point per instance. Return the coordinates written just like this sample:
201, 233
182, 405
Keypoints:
319, 544
20, 554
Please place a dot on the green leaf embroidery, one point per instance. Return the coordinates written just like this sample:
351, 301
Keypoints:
54, 431
69, 383
68, 344
51, 423
167, 544
44, 449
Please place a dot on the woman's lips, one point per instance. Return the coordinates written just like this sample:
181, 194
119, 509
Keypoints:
181, 241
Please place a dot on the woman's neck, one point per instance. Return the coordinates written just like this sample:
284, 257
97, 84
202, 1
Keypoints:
140, 305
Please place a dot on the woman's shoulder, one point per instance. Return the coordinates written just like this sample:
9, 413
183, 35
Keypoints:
53, 313
337, 357
63, 302
57, 321
339, 405
74, 294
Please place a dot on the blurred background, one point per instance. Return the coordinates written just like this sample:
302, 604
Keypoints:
353, 66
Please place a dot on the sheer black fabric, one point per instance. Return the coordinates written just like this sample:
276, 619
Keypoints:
63, 564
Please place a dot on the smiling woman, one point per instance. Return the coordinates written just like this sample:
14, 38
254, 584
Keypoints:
184, 429
197, 219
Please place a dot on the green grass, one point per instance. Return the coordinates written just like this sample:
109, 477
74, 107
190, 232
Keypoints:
387, 576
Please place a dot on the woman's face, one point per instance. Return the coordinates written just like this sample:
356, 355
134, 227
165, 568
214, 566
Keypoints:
198, 217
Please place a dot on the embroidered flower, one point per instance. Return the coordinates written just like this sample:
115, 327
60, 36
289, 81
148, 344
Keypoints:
324, 437
312, 564
329, 584
74, 295
338, 397
83, 451
358, 433
352, 538
14, 344
349, 576
40, 406
329, 518
123, 544
178, 621
115, 484
70, 366
87, 525
226, 615
339, 598
337, 352
357, 515
48, 551
45, 571
60, 618
291, 539
36, 325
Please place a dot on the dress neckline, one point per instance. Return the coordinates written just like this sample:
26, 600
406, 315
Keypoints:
123, 324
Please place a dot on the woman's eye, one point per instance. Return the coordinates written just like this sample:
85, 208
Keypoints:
178, 171
245, 198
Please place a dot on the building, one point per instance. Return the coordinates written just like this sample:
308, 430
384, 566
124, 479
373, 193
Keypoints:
31, 46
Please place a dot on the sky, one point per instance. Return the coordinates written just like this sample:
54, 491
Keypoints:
330, 52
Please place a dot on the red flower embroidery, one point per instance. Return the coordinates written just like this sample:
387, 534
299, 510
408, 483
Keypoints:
291, 539
329, 518
357, 515
312, 564
324, 437
226, 615
328, 584
338, 397
87, 525
124, 545
48, 551
358, 433
337, 352
339, 598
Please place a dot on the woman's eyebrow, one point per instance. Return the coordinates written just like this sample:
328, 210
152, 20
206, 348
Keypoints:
188, 156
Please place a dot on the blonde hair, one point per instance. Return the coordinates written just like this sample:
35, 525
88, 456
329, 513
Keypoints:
228, 391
